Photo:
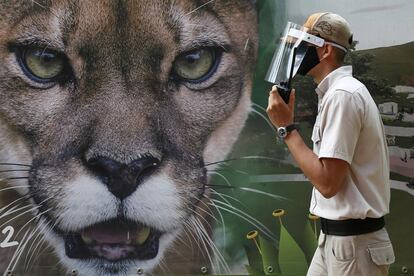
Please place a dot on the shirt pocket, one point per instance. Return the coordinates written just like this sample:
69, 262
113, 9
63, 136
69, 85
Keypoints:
316, 135
382, 253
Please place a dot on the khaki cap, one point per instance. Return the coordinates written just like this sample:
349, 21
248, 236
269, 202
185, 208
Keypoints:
331, 27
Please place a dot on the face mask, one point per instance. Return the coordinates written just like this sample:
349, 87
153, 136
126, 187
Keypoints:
295, 54
309, 61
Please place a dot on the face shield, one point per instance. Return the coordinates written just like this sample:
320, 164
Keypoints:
294, 55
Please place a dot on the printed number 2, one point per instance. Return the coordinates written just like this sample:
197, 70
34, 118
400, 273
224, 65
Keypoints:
7, 243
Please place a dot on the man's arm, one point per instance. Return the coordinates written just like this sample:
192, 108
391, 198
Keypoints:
327, 175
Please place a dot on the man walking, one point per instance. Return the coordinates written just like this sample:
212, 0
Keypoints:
349, 164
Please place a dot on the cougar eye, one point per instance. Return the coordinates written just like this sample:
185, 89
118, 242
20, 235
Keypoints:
197, 65
42, 65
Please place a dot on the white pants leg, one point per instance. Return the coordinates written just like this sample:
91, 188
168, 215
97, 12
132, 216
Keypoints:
360, 255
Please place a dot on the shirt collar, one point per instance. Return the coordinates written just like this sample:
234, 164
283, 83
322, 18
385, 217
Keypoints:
331, 78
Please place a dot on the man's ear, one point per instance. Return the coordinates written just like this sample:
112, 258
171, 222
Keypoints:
328, 51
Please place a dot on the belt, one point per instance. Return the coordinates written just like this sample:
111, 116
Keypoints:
351, 227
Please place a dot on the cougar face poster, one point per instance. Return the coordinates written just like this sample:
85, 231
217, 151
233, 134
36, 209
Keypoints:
110, 112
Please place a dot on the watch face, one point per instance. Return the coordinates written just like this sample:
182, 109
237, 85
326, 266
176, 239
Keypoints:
281, 131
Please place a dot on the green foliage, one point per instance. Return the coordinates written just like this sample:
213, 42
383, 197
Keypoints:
291, 257
377, 87
252, 271
364, 70
269, 257
394, 64
404, 142
288, 258
255, 260
308, 240
399, 117
361, 61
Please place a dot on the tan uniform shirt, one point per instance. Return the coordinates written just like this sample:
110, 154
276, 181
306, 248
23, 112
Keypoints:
349, 127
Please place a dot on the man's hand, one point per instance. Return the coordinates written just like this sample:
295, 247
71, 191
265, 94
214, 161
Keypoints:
280, 113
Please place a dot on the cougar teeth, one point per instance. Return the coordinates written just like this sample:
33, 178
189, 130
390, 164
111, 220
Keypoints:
128, 241
143, 235
86, 239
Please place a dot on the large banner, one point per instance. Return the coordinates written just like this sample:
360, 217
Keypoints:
134, 138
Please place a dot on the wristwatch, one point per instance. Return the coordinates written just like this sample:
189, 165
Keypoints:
283, 132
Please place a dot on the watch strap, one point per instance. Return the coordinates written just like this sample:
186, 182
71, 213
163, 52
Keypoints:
292, 127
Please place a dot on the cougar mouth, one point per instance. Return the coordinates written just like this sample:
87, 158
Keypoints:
113, 240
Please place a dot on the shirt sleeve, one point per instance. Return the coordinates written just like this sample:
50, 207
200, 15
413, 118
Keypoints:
341, 125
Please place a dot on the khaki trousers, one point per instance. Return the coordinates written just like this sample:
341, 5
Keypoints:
360, 255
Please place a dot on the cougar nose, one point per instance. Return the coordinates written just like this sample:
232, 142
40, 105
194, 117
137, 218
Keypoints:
122, 179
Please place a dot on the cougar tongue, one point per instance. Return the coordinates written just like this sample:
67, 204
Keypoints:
109, 233
113, 240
